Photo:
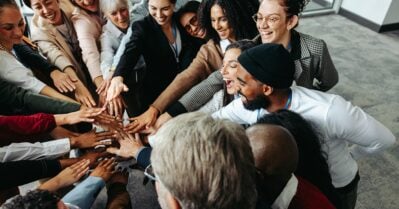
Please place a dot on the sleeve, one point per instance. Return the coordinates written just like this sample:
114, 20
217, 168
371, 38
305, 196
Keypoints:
107, 52
202, 92
350, 123
27, 125
32, 59
143, 157
49, 49
213, 105
327, 75
199, 69
16, 73
122, 47
36, 151
236, 112
22, 172
86, 32
133, 50
84, 194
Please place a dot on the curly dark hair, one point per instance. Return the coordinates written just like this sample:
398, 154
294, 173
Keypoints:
36, 199
293, 7
238, 13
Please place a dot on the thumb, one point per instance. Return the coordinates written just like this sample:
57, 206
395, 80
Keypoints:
125, 88
113, 150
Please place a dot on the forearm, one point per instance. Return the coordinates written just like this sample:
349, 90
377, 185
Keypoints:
48, 91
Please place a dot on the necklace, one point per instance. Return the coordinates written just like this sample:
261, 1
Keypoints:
5, 49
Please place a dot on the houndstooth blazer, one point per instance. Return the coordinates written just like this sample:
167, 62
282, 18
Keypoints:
314, 69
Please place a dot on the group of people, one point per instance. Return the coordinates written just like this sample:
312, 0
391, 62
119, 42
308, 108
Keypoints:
235, 63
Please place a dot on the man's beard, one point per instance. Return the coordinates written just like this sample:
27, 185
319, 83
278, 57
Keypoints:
260, 101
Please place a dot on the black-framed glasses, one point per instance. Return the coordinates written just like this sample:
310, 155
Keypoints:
149, 173
193, 22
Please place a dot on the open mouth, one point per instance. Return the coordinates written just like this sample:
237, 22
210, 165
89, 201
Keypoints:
229, 83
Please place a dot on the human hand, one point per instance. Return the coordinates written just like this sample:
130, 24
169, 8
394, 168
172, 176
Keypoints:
93, 157
91, 139
115, 88
161, 120
103, 88
110, 122
83, 95
116, 106
104, 169
67, 176
62, 81
82, 115
143, 121
129, 145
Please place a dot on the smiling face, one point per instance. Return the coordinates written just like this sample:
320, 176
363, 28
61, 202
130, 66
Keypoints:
49, 10
161, 11
229, 69
120, 18
273, 22
221, 24
190, 23
12, 26
89, 5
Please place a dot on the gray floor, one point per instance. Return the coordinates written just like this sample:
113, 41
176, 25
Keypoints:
368, 65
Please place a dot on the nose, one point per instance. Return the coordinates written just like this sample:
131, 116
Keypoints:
193, 28
18, 31
223, 70
262, 23
158, 13
217, 25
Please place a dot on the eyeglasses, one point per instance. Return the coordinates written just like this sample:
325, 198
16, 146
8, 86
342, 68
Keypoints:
192, 23
149, 173
271, 19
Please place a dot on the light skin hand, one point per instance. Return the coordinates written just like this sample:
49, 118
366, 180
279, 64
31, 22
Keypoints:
161, 120
104, 169
116, 106
91, 139
102, 89
143, 121
129, 145
83, 95
67, 177
82, 115
116, 87
62, 81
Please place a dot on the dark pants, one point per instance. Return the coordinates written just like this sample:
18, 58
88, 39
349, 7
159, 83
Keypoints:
348, 193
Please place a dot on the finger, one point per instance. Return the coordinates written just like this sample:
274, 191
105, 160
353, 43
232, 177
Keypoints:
103, 142
82, 172
87, 102
113, 150
92, 102
69, 85
79, 163
111, 107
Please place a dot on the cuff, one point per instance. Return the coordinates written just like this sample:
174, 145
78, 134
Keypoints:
175, 109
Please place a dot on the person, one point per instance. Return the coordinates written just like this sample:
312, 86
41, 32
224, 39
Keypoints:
160, 39
222, 21
82, 196
264, 79
56, 36
276, 158
312, 164
15, 100
225, 180
188, 18
11, 33
276, 21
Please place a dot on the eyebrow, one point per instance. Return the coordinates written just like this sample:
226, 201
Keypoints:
241, 80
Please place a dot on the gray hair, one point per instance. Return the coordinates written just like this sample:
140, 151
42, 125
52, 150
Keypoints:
205, 163
108, 6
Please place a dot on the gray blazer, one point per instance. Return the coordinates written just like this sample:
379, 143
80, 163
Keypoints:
314, 69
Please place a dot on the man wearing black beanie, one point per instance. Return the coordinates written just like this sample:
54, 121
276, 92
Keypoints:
264, 77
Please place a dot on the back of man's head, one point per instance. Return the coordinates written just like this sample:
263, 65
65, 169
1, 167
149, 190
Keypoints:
205, 163
275, 151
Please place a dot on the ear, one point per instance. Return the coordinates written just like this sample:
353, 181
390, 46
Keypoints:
292, 22
172, 202
267, 90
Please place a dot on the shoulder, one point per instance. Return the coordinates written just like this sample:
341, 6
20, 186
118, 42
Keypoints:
315, 45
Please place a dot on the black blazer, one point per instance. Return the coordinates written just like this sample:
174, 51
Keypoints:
148, 40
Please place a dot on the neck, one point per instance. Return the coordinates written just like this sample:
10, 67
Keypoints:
285, 41
7, 47
279, 100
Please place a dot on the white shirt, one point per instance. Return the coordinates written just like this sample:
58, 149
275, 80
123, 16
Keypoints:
285, 197
29, 151
14, 72
339, 123
111, 38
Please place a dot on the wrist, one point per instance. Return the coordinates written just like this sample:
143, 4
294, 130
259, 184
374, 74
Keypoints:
60, 119
73, 141
155, 111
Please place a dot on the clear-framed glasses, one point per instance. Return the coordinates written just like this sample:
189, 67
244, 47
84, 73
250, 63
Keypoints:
149, 173
270, 19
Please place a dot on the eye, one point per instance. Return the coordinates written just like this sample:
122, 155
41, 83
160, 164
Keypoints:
8, 27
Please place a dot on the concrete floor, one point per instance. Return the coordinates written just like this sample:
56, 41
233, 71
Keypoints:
368, 67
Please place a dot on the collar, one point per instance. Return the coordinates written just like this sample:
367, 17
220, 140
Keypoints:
284, 199
223, 44
299, 48
113, 29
